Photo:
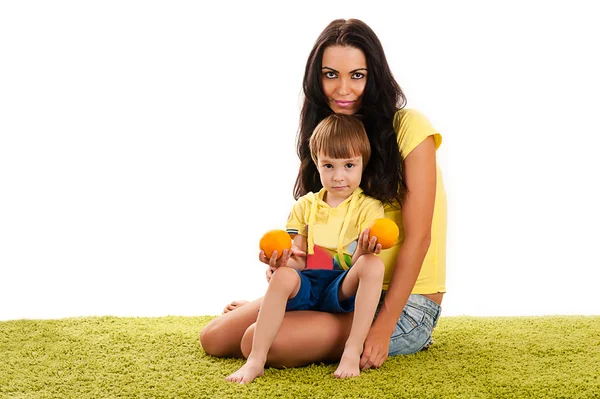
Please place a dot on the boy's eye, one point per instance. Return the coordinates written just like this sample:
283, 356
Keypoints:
349, 165
328, 166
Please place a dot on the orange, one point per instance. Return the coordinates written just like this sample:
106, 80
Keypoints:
386, 232
275, 240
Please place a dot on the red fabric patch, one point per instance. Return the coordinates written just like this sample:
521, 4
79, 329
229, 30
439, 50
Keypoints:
321, 259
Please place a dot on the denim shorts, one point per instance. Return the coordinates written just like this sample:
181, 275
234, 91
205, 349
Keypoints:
415, 325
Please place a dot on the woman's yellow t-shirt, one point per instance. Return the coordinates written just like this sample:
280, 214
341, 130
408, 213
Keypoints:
412, 128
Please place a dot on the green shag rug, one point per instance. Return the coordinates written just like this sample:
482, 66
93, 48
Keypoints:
473, 357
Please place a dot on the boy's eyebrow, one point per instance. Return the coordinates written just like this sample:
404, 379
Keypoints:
352, 71
327, 159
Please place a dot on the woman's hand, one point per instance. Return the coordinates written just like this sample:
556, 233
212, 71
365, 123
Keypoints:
376, 348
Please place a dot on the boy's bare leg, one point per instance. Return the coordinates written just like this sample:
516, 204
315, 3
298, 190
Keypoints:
365, 279
284, 285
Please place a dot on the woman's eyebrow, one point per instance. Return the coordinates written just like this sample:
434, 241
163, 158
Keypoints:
352, 71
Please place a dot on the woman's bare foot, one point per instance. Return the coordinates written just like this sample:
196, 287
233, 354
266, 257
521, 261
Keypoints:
234, 305
248, 372
349, 364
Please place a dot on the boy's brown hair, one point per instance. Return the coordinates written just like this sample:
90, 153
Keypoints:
340, 136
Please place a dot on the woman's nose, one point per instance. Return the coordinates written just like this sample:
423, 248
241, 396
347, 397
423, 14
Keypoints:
344, 87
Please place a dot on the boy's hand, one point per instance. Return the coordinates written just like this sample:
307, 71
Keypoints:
269, 273
366, 246
275, 263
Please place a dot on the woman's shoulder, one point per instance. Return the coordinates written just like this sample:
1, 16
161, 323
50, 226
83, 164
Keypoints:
412, 127
410, 118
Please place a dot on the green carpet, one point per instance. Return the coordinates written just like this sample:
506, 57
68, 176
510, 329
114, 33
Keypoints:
473, 357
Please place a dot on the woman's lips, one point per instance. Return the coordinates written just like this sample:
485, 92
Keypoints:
344, 104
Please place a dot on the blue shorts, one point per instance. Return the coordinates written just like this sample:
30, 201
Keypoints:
415, 325
319, 291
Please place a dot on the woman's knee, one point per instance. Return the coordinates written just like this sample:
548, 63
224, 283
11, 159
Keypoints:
209, 339
247, 339
215, 341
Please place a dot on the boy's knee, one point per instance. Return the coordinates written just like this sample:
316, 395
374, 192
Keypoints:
371, 266
286, 278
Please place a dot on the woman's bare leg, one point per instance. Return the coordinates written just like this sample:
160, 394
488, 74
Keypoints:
363, 280
283, 286
305, 337
233, 305
223, 335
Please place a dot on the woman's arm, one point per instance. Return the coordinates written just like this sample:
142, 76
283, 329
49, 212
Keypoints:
417, 215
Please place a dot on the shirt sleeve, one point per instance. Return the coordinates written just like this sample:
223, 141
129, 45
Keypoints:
412, 128
297, 220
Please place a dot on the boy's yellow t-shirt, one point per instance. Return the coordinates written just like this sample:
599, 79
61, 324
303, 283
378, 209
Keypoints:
412, 128
332, 233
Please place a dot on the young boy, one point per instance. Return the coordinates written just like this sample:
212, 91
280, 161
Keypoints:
341, 272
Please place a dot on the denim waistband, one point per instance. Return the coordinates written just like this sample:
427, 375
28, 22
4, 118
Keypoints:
425, 304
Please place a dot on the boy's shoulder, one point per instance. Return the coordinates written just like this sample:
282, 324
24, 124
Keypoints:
307, 198
364, 198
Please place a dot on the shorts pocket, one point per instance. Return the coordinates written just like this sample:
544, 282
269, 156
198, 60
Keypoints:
411, 318
412, 332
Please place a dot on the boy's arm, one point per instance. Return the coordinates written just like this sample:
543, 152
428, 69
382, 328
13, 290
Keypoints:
373, 212
364, 246
298, 262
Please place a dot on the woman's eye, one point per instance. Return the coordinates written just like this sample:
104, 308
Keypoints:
330, 75
358, 75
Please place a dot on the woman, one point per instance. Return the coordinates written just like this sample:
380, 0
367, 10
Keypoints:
347, 72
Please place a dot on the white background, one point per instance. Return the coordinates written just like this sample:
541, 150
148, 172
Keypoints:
145, 146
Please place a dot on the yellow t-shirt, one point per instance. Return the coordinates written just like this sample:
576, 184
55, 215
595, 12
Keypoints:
332, 231
412, 128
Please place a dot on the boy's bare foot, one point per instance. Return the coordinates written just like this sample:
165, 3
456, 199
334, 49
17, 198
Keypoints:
248, 372
349, 364
234, 305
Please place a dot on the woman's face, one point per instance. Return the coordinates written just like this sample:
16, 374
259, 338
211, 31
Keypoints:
344, 77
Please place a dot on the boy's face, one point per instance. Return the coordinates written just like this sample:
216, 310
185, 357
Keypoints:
340, 177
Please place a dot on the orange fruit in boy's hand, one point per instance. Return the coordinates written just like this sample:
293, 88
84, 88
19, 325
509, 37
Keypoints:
275, 240
386, 232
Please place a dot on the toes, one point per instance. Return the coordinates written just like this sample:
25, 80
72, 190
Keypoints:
234, 378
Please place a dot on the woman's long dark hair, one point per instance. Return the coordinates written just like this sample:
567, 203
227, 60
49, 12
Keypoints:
383, 177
